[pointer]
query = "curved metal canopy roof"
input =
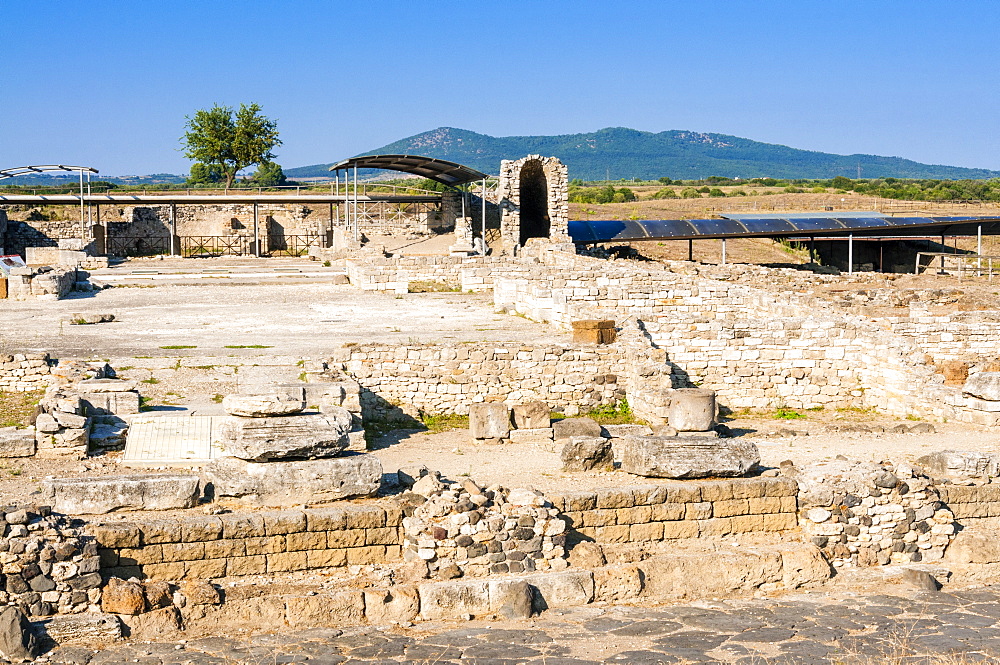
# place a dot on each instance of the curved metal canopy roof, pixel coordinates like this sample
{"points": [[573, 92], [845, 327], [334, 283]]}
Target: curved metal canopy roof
{"points": [[868, 224], [44, 168], [438, 170]]}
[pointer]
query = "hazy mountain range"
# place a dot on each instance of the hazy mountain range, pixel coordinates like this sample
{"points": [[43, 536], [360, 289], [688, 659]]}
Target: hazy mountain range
{"points": [[619, 152]]}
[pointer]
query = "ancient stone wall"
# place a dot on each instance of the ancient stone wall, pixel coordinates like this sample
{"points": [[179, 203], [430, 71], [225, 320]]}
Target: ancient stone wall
{"points": [[447, 379], [208, 547], [673, 510], [25, 372], [37, 231], [951, 337]]}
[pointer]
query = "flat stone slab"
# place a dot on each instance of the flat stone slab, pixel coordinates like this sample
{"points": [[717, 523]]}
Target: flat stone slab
{"points": [[260, 406], [961, 463], [483, 596], [687, 457], [302, 436], [294, 482], [171, 441], [17, 442], [104, 494]]}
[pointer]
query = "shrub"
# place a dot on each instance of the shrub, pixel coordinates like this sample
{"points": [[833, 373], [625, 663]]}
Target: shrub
{"points": [[690, 193]]}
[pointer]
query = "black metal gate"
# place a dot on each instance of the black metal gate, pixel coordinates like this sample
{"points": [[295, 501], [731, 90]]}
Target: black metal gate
{"points": [[290, 245]]}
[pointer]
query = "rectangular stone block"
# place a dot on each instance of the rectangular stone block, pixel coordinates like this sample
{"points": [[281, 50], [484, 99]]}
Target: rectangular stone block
{"points": [[246, 565], [242, 525], [220, 549], [731, 507], [615, 497], [365, 517], [383, 536], [393, 553], [720, 490], [765, 504], [612, 534], [265, 545], [677, 530], [326, 558], [345, 538], [109, 558], [600, 517], [789, 504], [445, 600], [140, 555], [309, 540], [747, 523], [366, 555], [634, 515], [116, 535], [779, 522], [668, 512], [572, 520], [326, 519], [283, 562], [683, 492], [201, 529], [717, 526], [206, 569], [643, 532], [182, 551], [164, 571], [282, 522], [160, 531], [579, 501], [698, 511]]}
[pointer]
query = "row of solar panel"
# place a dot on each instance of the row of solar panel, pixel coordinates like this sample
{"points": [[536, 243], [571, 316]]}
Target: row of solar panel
{"points": [[610, 230]]}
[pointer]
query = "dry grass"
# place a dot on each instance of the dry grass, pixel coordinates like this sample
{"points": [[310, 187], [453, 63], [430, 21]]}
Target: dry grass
{"points": [[17, 409]]}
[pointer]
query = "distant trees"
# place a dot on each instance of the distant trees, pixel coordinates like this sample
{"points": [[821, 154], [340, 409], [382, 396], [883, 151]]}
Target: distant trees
{"points": [[607, 194], [269, 174], [204, 174], [229, 140]]}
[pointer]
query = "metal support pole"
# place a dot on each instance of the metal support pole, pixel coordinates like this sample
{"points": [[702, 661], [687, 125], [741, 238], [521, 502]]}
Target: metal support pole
{"points": [[812, 249], [943, 247], [357, 225], [83, 227], [484, 218], [979, 250], [723, 251], [90, 218], [173, 229], [256, 234], [690, 250], [850, 254]]}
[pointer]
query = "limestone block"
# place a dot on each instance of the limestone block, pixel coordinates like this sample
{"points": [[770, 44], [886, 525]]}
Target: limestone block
{"points": [[86, 628], [672, 457], [261, 406], [974, 547], [567, 427], [539, 435], [489, 420], [46, 424], [17, 442], [295, 482], [802, 565], [103, 494], [621, 431], [984, 385], [692, 410], [123, 597], [585, 453], [533, 415], [396, 604], [675, 575], [961, 463], [286, 437], [593, 331]]}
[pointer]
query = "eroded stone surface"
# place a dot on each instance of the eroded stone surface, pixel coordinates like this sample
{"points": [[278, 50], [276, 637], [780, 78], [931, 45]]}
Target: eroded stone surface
{"points": [[674, 457], [308, 436], [96, 496]]}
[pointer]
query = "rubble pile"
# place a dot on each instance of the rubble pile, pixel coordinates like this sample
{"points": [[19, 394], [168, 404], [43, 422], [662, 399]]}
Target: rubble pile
{"points": [[463, 529]]}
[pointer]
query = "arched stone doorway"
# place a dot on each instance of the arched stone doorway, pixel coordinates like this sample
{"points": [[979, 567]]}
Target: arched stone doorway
{"points": [[533, 192]]}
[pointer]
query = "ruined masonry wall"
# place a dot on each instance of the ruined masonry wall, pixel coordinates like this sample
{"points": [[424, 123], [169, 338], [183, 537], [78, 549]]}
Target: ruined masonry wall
{"points": [[447, 379], [951, 337], [25, 372], [208, 547], [675, 510]]}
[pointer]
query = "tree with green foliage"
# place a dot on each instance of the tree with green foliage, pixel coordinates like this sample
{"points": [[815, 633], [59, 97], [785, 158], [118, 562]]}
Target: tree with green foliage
{"points": [[204, 174], [269, 174], [232, 140], [690, 193], [665, 181]]}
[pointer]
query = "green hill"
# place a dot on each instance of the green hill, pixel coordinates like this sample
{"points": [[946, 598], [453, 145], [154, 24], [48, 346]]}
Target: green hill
{"points": [[618, 152]]}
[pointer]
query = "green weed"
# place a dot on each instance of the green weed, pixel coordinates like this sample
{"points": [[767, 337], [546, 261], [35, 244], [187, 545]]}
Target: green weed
{"points": [[785, 413], [179, 346], [443, 422], [247, 346]]}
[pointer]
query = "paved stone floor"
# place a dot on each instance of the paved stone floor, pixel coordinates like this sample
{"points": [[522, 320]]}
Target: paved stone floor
{"points": [[922, 627]]}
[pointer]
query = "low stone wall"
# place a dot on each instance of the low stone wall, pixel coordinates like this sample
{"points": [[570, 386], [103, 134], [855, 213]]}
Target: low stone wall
{"points": [[972, 504], [674, 510], [953, 337], [208, 547], [473, 273], [447, 379], [25, 372]]}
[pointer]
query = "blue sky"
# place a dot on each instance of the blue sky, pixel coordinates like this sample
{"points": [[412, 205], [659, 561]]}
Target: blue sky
{"points": [[108, 84]]}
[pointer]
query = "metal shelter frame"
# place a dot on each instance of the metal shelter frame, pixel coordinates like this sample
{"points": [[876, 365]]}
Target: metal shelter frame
{"points": [[450, 174], [52, 168]]}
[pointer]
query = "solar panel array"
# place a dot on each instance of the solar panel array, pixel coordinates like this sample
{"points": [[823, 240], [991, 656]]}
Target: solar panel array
{"points": [[781, 226]]}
